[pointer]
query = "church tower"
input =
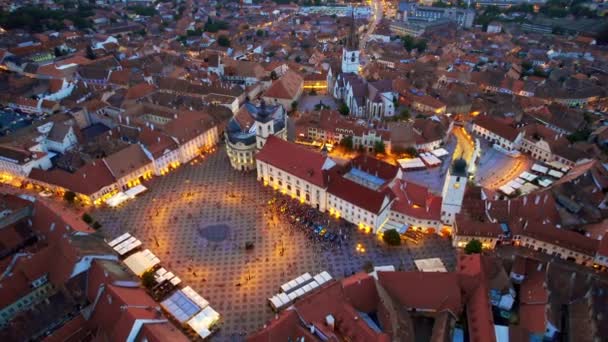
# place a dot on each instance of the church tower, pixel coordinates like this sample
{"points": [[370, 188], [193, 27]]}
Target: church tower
{"points": [[453, 191], [350, 51]]}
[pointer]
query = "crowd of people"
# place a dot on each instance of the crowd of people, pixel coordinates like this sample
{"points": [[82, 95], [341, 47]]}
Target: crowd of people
{"points": [[320, 228]]}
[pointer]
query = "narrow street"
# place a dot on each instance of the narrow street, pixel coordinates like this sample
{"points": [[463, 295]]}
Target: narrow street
{"points": [[377, 8]]}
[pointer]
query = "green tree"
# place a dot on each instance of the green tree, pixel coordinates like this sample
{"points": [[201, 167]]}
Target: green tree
{"points": [[90, 53], [87, 218], [294, 106], [343, 109], [223, 41], [298, 59], [405, 114], [69, 196], [379, 146], [259, 33], [347, 143], [473, 247], [147, 279], [391, 237], [273, 75]]}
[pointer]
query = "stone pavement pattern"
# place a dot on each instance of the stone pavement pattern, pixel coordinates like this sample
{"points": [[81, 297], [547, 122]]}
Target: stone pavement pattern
{"points": [[237, 282]]}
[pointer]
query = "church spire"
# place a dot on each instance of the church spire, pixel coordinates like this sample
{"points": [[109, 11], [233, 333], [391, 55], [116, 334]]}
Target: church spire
{"points": [[351, 41]]}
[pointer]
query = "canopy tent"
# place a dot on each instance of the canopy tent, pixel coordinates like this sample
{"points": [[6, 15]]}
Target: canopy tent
{"points": [[203, 321], [127, 245], [507, 190], [180, 306], [430, 265], [528, 188], [555, 174], [415, 163], [136, 190], [119, 239], [140, 262], [430, 160], [194, 296], [117, 199], [540, 169], [515, 185], [440, 152], [544, 182], [528, 176]]}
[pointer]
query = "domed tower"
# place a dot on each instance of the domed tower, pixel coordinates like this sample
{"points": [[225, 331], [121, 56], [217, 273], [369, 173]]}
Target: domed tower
{"points": [[453, 191], [350, 51]]}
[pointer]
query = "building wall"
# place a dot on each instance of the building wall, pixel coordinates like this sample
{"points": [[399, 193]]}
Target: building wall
{"points": [[487, 242], [241, 156], [31, 299], [190, 149], [304, 191], [552, 249], [412, 221]]}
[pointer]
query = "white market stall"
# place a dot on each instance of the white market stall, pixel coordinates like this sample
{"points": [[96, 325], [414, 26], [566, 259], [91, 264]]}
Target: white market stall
{"points": [[140, 262], [430, 265], [204, 321], [440, 152], [411, 164]]}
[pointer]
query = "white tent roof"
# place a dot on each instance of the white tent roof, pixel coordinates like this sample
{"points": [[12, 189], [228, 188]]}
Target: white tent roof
{"points": [[430, 265], [180, 306], [195, 297], [528, 176], [539, 168], [440, 152], [414, 163], [136, 190], [202, 322], [545, 182], [430, 159], [119, 239], [506, 189], [140, 262], [117, 199], [556, 174]]}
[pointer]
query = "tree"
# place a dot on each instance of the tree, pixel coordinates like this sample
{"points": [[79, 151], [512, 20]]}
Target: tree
{"points": [[69, 196], [405, 114], [298, 59], [87, 218], [391, 237], [147, 279], [343, 109], [273, 75], [90, 52], [259, 33], [379, 146], [347, 143], [294, 106], [58, 52], [473, 247], [223, 41], [602, 35], [368, 267]]}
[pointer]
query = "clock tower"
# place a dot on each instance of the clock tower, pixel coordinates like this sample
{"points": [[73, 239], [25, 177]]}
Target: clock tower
{"points": [[350, 51]]}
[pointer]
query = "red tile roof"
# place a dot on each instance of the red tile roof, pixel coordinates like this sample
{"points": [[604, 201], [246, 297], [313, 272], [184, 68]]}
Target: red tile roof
{"points": [[287, 87], [435, 291], [415, 200], [294, 159], [357, 194], [498, 127], [87, 180]]}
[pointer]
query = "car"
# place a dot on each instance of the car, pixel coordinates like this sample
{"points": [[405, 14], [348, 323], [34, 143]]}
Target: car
{"points": [[323, 232]]}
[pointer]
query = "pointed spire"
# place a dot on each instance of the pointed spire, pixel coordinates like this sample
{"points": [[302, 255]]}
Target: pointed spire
{"points": [[351, 41]]}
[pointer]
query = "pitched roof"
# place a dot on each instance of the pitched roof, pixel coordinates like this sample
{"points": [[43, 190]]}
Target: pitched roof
{"points": [[435, 291], [297, 160], [87, 180], [127, 160], [287, 87]]}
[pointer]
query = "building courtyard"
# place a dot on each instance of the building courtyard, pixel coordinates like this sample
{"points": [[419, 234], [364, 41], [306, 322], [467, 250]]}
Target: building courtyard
{"points": [[199, 219]]}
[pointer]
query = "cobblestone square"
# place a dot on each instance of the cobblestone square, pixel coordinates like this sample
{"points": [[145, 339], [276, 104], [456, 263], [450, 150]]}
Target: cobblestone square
{"points": [[198, 219]]}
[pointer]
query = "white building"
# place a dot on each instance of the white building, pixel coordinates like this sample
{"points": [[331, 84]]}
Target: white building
{"points": [[453, 191], [247, 132]]}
